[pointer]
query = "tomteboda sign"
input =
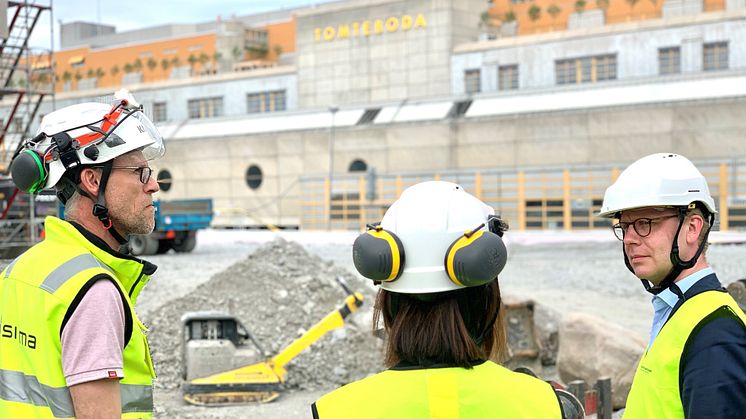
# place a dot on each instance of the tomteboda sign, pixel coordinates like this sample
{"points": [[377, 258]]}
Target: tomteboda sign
{"points": [[370, 27]]}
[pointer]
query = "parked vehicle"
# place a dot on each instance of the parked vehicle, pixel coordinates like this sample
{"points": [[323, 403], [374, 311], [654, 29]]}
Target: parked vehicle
{"points": [[176, 225]]}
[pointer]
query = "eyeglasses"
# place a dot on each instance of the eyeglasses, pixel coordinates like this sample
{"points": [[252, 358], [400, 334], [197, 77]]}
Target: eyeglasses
{"points": [[144, 171], [642, 226]]}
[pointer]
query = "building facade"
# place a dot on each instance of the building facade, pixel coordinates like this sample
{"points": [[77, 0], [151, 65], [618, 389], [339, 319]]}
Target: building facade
{"points": [[374, 95]]}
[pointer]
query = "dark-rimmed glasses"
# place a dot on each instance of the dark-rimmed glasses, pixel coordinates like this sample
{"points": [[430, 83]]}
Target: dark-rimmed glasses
{"points": [[143, 171], [642, 226]]}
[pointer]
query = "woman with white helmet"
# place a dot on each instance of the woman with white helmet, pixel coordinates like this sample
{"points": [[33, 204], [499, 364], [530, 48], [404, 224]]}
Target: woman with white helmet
{"points": [[436, 256], [695, 363], [80, 350]]}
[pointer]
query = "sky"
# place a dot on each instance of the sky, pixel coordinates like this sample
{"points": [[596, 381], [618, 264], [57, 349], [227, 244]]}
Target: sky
{"points": [[136, 14]]}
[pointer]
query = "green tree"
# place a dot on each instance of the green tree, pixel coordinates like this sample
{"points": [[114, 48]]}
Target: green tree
{"points": [[114, 70], [485, 20], [632, 4], [165, 64], [67, 76], [203, 59], [509, 16], [100, 73], [580, 6], [128, 68], [152, 64], [137, 65], [175, 62], [91, 73], [534, 13], [237, 53], [277, 49], [78, 76], [554, 10], [192, 61], [602, 4]]}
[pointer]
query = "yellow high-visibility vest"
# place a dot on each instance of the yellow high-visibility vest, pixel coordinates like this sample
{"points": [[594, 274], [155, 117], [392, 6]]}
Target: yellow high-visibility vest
{"points": [[485, 391], [655, 388], [36, 292]]}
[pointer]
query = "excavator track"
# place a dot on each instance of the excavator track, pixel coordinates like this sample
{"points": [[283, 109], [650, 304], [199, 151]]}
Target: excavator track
{"points": [[230, 399]]}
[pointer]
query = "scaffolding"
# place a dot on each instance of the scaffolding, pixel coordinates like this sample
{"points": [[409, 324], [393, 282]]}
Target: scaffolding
{"points": [[27, 78]]}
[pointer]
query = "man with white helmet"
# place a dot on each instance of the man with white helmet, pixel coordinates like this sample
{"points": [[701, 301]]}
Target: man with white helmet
{"points": [[436, 256], [72, 345], [695, 363]]}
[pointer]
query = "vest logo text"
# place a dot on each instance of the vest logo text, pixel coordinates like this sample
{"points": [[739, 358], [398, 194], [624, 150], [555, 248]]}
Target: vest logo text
{"points": [[12, 332]]}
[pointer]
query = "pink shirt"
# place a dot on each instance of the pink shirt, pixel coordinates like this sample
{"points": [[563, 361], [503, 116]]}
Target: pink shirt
{"points": [[93, 338]]}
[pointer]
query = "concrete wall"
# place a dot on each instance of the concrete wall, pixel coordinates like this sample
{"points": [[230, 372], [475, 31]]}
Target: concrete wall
{"points": [[347, 52], [216, 167]]}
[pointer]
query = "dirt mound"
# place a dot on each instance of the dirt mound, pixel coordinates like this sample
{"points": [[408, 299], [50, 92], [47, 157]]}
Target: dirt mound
{"points": [[277, 292]]}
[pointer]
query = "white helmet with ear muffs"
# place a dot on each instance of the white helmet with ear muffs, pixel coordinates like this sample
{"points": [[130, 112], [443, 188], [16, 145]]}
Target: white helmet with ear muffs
{"points": [[83, 135], [434, 238]]}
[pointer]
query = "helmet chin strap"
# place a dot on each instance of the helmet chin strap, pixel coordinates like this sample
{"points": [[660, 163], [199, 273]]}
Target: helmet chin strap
{"points": [[678, 264], [99, 208]]}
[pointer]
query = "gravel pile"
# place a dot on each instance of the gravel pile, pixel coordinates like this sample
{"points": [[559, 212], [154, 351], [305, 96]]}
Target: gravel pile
{"points": [[277, 292]]}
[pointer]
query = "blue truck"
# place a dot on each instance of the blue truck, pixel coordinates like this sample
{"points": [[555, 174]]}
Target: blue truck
{"points": [[176, 225]]}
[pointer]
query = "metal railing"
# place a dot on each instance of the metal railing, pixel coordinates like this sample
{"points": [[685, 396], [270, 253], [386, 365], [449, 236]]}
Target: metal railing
{"points": [[529, 199]]}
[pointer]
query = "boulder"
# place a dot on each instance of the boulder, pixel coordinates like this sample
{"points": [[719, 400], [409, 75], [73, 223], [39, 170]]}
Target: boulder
{"points": [[737, 290], [592, 348]]}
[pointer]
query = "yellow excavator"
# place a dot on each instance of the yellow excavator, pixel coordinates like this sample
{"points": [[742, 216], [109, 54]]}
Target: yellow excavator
{"points": [[213, 341]]}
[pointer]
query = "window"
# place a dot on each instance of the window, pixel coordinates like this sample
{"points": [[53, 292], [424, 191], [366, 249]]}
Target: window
{"points": [[159, 112], [507, 77], [358, 165], [254, 176], [266, 102], [472, 82], [715, 56], [585, 69], [459, 109], [368, 116], [669, 60], [205, 107], [164, 180], [196, 47]]}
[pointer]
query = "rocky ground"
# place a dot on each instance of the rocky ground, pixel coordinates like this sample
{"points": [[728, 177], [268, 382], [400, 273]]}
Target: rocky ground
{"points": [[280, 288]]}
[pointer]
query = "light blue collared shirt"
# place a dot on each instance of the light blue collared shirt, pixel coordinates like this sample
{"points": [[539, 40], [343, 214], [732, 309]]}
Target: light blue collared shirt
{"points": [[664, 302]]}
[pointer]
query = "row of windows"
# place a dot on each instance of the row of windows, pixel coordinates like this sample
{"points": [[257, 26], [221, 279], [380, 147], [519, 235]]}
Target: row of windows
{"points": [[211, 107], [714, 57], [601, 67]]}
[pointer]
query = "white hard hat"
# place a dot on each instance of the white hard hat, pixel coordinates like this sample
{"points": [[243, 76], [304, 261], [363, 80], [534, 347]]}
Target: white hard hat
{"points": [[657, 180], [427, 219], [102, 133]]}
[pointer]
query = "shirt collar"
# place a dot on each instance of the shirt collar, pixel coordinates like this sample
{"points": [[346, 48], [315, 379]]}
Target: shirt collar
{"points": [[670, 298]]}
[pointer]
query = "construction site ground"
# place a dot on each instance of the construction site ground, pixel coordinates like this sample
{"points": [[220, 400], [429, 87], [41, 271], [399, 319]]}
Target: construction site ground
{"points": [[278, 284]]}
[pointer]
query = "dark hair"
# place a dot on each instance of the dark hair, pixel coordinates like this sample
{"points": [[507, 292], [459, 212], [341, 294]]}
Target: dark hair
{"points": [[458, 328]]}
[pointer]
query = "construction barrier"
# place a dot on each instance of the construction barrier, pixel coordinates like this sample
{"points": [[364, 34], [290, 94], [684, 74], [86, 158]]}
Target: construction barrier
{"points": [[529, 199]]}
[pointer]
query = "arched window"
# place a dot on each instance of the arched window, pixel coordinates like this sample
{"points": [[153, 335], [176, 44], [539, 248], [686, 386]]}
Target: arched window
{"points": [[254, 176], [358, 165]]}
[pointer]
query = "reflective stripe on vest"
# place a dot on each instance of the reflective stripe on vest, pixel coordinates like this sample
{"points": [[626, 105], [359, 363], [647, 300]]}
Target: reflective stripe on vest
{"points": [[485, 391], [69, 269], [655, 389], [9, 269], [18, 387]]}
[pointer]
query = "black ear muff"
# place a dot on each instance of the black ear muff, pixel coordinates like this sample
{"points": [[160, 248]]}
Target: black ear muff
{"points": [[475, 258], [28, 171], [378, 254]]}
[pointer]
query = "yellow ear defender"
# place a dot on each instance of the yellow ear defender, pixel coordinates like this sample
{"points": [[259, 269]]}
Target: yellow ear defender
{"points": [[475, 258], [378, 254]]}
